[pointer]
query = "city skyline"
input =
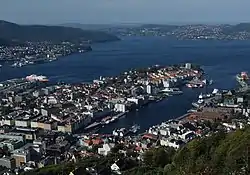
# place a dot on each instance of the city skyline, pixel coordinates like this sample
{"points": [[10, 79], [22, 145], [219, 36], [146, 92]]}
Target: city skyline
{"points": [[129, 11]]}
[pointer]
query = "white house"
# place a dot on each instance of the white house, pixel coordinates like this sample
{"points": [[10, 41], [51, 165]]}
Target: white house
{"points": [[171, 143], [120, 107]]}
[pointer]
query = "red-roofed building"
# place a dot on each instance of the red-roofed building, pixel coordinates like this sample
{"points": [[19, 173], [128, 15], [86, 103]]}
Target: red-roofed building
{"points": [[150, 136], [97, 141], [138, 148]]}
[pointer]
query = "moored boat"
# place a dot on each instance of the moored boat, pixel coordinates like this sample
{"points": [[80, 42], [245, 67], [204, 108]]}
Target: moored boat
{"points": [[172, 91], [134, 129]]}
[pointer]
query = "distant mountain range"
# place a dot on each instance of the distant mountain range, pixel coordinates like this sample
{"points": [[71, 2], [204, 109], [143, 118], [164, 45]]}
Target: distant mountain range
{"points": [[14, 32]]}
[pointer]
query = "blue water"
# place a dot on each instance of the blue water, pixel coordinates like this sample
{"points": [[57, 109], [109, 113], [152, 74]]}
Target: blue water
{"points": [[222, 60]]}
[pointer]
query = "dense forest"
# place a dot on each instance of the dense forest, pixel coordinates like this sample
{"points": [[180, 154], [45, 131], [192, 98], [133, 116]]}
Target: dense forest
{"points": [[222, 153]]}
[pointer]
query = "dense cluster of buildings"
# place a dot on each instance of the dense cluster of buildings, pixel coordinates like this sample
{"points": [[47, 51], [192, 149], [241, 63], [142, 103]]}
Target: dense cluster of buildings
{"points": [[38, 52], [185, 32], [38, 121], [219, 111]]}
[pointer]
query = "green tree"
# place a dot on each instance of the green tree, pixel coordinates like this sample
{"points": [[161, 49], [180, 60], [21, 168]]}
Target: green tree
{"points": [[168, 169]]}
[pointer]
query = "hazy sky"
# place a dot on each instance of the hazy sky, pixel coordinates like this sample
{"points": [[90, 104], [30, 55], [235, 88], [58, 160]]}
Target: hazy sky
{"points": [[124, 11]]}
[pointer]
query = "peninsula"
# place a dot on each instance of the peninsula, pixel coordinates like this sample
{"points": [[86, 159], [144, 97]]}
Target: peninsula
{"points": [[186, 32], [39, 124], [31, 44]]}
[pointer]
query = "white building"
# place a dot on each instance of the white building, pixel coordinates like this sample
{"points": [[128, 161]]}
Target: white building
{"points": [[106, 148], [188, 65], [149, 89], [120, 107], [170, 143], [115, 168], [22, 123], [187, 135], [52, 100], [134, 100]]}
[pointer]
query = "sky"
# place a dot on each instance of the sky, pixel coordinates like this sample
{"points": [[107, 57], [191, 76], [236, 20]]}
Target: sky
{"points": [[124, 11]]}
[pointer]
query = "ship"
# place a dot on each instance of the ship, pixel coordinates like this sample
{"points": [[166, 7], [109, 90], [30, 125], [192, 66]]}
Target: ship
{"points": [[93, 125], [243, 79], [192, 110], [198, 103], [17, 64], [121, 132], [134, 129], [172, 91], [39, 78], [207, 82]]}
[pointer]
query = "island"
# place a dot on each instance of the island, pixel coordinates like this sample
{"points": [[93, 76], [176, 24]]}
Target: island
{"points": [[30, 44]]}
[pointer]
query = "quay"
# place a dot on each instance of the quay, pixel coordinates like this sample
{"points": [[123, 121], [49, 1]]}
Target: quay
{"points": [[182, 117]]}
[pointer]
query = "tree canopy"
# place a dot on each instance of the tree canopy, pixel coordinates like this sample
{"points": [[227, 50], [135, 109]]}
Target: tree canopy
{"points": [[221, 153]]}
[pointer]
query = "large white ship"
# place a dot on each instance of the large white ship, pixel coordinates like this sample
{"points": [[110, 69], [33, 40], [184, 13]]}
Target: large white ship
{"points": [[34, 77]]}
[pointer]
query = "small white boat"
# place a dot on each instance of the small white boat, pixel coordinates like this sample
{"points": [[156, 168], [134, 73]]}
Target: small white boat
{"points": [[211, 82], [192, 110], [135, 128], [172, 91], [196, 105]]}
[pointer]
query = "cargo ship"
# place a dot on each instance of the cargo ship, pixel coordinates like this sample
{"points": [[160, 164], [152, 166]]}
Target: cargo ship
{"points": [[243, 79]]}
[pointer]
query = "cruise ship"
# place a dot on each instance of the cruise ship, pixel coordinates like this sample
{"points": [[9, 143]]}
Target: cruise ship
{"points": [[34, 77]]}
